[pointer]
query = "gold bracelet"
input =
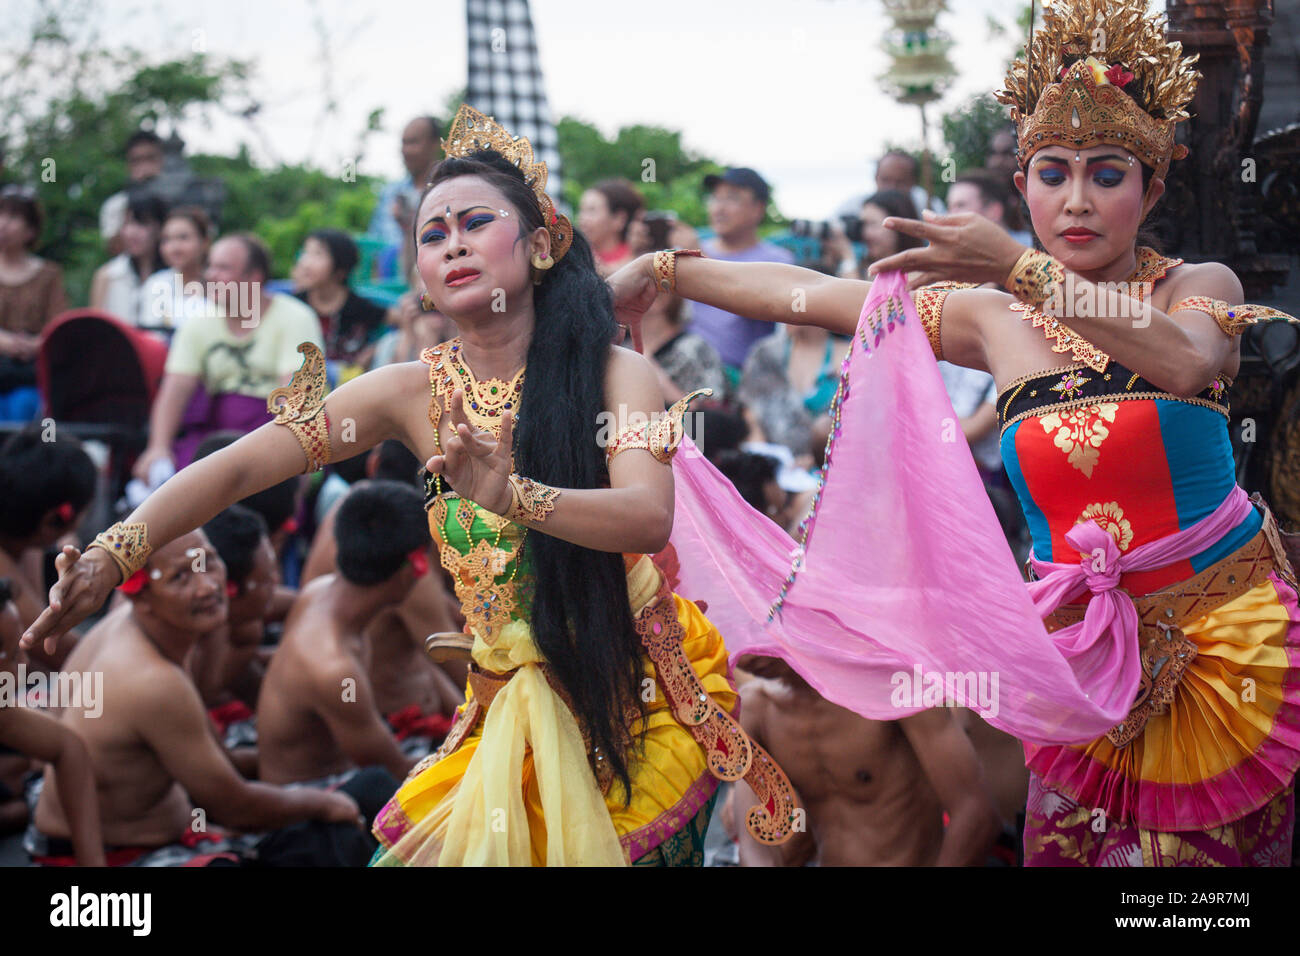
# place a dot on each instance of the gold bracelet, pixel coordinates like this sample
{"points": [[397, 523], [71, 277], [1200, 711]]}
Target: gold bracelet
{"points": [[1035, 277], [530, 500], [665, 266], [126, 544]]}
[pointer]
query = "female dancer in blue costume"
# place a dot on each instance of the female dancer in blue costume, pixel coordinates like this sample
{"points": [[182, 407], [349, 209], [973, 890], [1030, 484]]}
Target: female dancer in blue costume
{"points": [[1112, 363]]}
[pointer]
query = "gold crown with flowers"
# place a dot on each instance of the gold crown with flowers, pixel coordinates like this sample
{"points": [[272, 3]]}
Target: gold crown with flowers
{"points": [[1084, 67], [472, 131]]}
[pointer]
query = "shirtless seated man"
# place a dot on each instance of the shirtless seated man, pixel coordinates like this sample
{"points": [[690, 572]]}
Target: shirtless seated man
{"points": [[47, 487], [412, 692], [161, 773], [317, 716], [39, 736], [228, 662], [875, 791]]}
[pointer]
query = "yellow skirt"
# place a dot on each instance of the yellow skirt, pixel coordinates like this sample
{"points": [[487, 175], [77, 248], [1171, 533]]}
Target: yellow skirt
{"points": [[670, 781]]}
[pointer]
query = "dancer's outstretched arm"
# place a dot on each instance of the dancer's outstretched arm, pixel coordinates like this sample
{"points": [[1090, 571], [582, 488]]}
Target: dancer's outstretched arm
{"points": [[367, 407], [771, 291]]}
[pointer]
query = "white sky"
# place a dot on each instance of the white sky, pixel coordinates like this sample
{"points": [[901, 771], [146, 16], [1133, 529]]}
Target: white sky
{"points": [[786, 86]]}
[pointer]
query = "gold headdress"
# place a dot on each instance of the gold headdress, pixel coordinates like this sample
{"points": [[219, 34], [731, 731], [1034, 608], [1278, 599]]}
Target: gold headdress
{"points": [[471, 131], [1085, 65]]}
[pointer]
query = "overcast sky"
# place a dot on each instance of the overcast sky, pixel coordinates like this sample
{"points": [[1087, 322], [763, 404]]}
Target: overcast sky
{"points": [[787, 86]]}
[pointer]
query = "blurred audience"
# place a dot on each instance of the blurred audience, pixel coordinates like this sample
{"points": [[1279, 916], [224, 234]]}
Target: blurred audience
{"points": [[174, 294], [788, 384], [144, 162], [983, 192], [31, 294], [350, 323], [605, 216], [737, 203], [220, 369], [394, 216], [118, 285]]}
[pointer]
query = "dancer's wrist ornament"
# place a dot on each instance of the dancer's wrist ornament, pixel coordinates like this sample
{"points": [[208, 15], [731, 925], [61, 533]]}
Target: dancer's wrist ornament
{"points": [[126, 544], [665, 267], [1035, 277], [530, 501]]}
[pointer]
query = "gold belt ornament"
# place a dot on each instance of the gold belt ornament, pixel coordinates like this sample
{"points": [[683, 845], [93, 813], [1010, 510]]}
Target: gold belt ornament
{"points": [[1165, 651]]}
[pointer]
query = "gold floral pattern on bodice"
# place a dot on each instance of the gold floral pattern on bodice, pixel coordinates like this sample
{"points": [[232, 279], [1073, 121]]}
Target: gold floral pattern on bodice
{"points": [[1110, 518], [1079, 432]]}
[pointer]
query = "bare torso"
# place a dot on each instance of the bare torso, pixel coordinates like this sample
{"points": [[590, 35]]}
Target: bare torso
{"points": [[868, 800], [293, 741], [140, 803], [401, 673]]}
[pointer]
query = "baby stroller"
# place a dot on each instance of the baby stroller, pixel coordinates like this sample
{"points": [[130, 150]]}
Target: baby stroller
{"points": [[98, 377]]}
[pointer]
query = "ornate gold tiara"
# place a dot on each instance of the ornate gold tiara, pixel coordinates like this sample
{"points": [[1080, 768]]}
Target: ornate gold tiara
{"points": [[1085, 65], [471, 131]]}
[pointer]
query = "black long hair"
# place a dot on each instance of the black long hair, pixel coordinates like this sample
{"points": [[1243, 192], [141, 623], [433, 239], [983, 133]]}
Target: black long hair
{"points": [[581, 618]]}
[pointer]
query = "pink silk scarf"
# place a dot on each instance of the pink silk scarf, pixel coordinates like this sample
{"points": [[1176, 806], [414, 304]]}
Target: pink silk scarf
{"points": [[903, 594]]}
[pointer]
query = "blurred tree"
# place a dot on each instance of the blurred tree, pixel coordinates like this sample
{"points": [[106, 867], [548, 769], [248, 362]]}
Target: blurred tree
{"points": [[67, 107]]}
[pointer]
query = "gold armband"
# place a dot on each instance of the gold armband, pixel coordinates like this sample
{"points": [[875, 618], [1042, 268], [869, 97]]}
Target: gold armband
{"points": [[929, 308], [1233, 319], [660, 436], [665, 266], [1035, 277], [303, 407], [530, 500], [126, 544]]}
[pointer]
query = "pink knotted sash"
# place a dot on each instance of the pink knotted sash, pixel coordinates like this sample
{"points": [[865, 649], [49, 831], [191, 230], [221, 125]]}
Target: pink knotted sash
{"points": [[1103, 647]]}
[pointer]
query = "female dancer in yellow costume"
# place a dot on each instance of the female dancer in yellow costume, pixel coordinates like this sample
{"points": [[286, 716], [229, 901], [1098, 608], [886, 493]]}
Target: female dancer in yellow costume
{"points": [[600, 712]]}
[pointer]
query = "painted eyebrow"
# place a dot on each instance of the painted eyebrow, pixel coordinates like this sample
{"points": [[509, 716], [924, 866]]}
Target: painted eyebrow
{"points": [[1096, 159], [458, 215]]}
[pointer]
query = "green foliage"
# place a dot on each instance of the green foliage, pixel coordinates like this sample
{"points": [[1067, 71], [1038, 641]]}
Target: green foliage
{"points": [[968, 130], [650, 157], [284, 204]]}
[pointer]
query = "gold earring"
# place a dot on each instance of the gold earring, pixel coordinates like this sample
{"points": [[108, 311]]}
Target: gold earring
{"points": [[426, 303], [541, 264]]}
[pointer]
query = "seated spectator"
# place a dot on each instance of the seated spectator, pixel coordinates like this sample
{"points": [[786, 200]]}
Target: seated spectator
{"points": [[173, 295], [163, 778], [394, 217], [37, 735], [220, 371], [737, 204], [755, 477], [118, 285], [789, 384], [412, 329], [415, 695], [317, 715], [349, 322], [1002, 160], [226, 663], [48, 485], [660, 229], [882, 242], [144, 162], [983, 192], [605, 214], [683, 359], [279, 507], [31, 294]]}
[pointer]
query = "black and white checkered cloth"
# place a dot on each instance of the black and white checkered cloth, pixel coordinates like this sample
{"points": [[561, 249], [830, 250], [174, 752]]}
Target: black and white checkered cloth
{"points": [[505, 77]]}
